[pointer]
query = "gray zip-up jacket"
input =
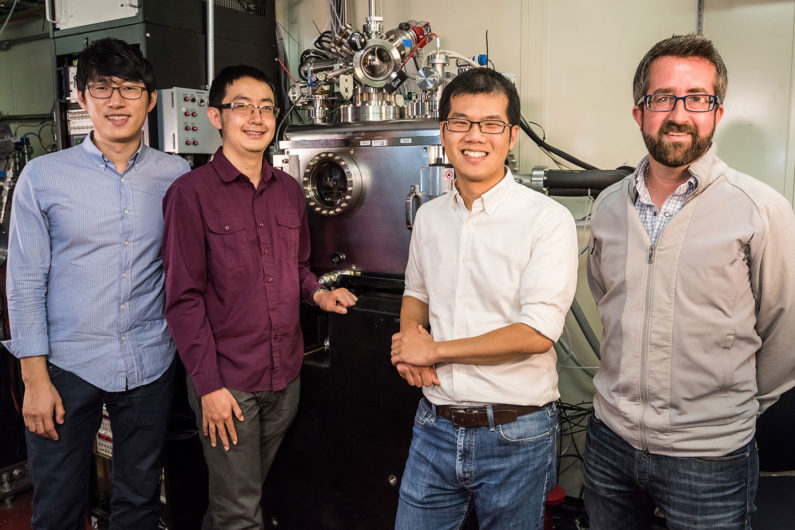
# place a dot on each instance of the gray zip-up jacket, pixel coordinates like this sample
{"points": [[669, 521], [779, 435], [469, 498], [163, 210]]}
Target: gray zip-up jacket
{"points": [[699, 330]]}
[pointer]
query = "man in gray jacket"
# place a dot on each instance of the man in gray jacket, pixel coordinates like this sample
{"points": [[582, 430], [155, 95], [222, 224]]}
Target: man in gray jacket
{"points": [[692, 265]]}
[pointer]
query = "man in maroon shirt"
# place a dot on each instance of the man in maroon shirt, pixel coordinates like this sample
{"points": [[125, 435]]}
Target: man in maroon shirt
{"points": [[235, 254]]}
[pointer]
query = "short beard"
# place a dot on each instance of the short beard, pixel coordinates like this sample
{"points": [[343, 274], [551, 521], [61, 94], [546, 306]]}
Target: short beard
{"points": [[672, 154]]}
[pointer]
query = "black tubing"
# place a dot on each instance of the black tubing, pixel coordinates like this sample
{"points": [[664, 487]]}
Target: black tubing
{"points": [[595, 179], [541, 143]]}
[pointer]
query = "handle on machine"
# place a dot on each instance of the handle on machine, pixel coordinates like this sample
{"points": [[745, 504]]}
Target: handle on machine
{"points": [[52, 20], [414, 197]]}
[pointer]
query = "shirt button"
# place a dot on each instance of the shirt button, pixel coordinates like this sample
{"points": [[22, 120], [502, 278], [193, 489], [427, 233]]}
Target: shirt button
{"points": [[267, 251], [126, 212], [126, 243], [667, 214], [270, 279], [123, 337], [122, 179], [123, 274], [262, 224], [226, 227], [122, 306]]}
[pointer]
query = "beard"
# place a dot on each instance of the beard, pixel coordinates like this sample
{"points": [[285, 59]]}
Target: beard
{"points": [[677, 154]]}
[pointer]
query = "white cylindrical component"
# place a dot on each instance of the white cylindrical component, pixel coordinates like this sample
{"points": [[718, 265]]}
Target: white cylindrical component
{"points": [[210, 42]]}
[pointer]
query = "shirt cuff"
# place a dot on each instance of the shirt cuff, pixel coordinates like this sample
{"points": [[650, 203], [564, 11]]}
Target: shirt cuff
{"points": [[30, 346], [206, 383], [422, 297], [321, 288]]}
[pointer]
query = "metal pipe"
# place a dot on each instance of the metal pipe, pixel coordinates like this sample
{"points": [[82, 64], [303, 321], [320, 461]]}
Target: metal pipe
{"points": [[210, 42], [585, 326], [6, 44], [24, 117], [595, 179], [372, 8]]}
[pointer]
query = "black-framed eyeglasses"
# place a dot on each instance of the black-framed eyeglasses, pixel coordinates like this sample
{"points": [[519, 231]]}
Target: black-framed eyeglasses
{"points": [[486, 126], [247, 109], [106, 91], [667, 102]]}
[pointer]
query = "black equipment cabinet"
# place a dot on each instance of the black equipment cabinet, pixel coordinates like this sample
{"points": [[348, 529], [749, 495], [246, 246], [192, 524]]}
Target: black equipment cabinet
{"points": [[341, 461]]}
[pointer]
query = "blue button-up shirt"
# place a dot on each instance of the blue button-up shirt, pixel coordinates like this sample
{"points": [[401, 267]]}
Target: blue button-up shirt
{"points": [[85, 277]]}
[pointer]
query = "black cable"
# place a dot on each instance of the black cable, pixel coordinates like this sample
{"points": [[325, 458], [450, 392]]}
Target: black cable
{"points": [[284, 120], [487, 48], [552, 149]]}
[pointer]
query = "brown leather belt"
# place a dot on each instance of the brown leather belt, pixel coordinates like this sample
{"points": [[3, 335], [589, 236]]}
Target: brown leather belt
{"points": [[478, 417]]}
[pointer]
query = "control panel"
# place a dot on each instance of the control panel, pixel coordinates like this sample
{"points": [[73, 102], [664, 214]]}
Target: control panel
{"points": [[183, 125]]}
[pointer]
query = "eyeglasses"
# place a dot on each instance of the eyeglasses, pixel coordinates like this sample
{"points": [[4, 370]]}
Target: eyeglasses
{"points": [[486, 126], [247, 109], [667, 102], [126, 91]]}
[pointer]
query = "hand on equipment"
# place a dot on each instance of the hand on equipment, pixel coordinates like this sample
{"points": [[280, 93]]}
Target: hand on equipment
{"points": [[336, 301]]}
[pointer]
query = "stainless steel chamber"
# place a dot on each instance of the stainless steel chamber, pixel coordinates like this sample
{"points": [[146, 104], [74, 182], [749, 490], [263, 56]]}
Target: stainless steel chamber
{"points": [[363, 183]]}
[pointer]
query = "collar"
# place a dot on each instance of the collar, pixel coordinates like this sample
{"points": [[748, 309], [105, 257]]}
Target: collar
{"points": [[705, 170], [227, 172], [642, 190], [492, 198], [90, 148]]}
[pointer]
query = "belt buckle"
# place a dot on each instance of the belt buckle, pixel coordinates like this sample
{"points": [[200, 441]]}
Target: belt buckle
{"points": [[462, 417]]}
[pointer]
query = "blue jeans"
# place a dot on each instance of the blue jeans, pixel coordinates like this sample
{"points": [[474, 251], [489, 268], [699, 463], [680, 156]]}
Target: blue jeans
{"points": [[504, 471], [60, 469], [623, 485]]}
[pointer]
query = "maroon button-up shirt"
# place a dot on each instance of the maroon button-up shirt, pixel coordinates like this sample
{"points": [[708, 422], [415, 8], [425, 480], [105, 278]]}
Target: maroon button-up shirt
{"points": [[236, 264]]}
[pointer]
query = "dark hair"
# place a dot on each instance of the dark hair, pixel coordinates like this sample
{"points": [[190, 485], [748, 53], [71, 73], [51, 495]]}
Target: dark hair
{"points": [[109, 57], [481, 81], [681, 46], [229, 75]]}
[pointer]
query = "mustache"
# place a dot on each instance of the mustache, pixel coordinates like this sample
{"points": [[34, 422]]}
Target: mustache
{"points": [[671, 127]]}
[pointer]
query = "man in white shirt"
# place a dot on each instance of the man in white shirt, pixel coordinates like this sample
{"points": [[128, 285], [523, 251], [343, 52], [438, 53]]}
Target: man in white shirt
{"points": [[492, 269]]}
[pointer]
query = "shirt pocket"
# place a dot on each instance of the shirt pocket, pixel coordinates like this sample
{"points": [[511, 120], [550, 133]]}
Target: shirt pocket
{"points": [[289, 230], [227, 244]]}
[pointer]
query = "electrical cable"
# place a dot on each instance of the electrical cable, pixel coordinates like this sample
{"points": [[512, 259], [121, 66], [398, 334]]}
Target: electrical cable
{"points": [[284, 120], [487, 49], [540, 142], [422, 42], [9, 16]]}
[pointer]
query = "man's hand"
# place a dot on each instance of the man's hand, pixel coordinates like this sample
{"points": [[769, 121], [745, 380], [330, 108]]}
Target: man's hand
{"points": [[217, 410], [335, 301], [41, 400], [413, 347], [418, 376]]}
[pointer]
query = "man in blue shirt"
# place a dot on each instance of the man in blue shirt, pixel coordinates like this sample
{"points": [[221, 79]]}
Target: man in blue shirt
{"points": [[86, 299]]}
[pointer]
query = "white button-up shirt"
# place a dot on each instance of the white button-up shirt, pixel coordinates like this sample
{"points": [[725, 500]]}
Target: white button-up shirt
{"points": [[512, 258]]}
